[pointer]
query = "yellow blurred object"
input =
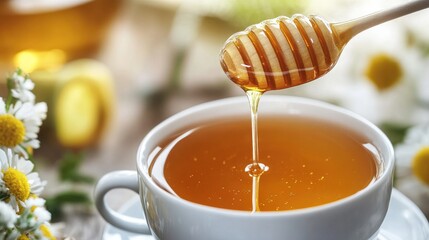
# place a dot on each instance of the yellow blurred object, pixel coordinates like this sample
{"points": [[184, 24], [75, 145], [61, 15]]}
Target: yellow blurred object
{"points": [[45, 33], [29, 60], [420, 165], [79, 113], [83, 103], [384, 71]]}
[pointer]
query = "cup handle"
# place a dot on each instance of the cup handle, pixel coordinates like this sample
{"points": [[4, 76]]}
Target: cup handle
{"points": [[119, 179]]}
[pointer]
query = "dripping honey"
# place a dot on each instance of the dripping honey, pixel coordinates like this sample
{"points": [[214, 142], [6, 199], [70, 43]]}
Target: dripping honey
{"points": [[311, 162]]}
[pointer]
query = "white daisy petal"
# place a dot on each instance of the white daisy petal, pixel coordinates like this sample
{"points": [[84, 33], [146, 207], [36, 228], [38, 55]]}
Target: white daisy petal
{"points": [[42, 214], [13, 203], [418, 134], [15, 107], [24, 111], [38, 189], [3, 159], [21, 150], [15, 93], [32, 124], [12, 158], [35, 202], [31, 135], [25, 166], [23, 87], [2, 106], [8, 216], [41, 109], [29, 85], [33, 143], [36, 185]]}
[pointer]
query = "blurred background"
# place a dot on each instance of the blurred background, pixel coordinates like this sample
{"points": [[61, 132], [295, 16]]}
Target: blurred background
{"points": [[110, 70]]}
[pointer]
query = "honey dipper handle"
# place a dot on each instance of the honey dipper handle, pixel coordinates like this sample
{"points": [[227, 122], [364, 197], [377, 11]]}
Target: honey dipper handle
{"points": [[346, 30]]}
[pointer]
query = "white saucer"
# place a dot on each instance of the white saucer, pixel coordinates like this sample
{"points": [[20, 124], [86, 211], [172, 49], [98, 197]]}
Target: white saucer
{"points": [[404, 221]]}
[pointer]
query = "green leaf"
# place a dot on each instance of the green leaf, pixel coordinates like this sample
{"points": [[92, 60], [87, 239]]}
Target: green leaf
{"points": [[4, 196], [415, 41], [10, 84], [395, 132], [69, 169], [55, 204]]}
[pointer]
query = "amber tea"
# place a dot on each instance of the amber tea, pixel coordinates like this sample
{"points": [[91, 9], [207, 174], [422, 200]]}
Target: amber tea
{"points": [[311, 162]]}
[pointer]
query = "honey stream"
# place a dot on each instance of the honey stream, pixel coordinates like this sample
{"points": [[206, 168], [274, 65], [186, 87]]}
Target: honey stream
{"points": [[256, 168]]}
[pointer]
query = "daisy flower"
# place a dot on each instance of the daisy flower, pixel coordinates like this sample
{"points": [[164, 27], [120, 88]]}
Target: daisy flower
{"points": [[376, 72], [17, 179], [380, 77], [412, 164], [45, 232], [22, 87], [20, 124], [37, 207], [33, 223], [42, 232], [30, 229]]}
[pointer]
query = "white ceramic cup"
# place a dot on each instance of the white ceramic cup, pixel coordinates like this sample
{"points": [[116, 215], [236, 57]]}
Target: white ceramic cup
{"points": [[357, 217]]}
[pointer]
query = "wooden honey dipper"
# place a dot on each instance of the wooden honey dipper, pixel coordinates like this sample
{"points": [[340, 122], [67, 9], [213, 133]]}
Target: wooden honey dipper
{"points": [[285, 52]]}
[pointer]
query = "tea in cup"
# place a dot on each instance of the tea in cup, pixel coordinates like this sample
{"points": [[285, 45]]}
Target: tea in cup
{"points": [[328, 176]]}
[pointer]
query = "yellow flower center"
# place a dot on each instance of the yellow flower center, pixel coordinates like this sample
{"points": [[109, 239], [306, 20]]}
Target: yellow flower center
{"points": [[384, 71], [23, 237], [421, 165], [17, 183], [12, 131], [46, 232]]}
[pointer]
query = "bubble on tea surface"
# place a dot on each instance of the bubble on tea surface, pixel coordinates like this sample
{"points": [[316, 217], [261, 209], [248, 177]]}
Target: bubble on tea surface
{"points": [[256, 169]]}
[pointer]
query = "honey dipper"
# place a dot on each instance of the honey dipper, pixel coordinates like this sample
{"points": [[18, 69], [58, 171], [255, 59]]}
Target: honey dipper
{"points": [[285, 52]]}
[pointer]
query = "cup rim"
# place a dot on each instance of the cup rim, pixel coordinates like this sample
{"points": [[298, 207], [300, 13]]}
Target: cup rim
{"points": [[386, 172]]}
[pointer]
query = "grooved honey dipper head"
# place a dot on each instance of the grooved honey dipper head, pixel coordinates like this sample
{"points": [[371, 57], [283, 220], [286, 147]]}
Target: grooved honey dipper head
{"points": [[280, 53]]}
